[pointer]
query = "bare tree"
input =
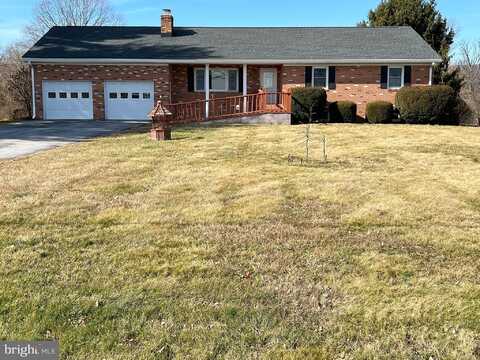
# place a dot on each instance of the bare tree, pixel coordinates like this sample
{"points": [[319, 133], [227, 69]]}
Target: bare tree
{"points": [[51, 13], [470, 67], [15, 84]]}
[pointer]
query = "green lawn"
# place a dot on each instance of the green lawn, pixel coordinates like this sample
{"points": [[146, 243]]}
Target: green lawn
{"points": [[214, 246]]}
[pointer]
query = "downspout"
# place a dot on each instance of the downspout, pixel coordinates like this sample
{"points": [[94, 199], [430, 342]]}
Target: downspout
{"points": [[430, 79], [34, 112]]}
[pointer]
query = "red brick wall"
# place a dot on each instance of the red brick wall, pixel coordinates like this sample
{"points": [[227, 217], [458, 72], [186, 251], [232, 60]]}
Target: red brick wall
{"points": [[420, 75], [360, 84], [98, 74], [356, 83], [293, 76]]}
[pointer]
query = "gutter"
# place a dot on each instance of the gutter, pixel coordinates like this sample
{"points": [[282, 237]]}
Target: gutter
{"points": [[94, 61], [34, 110]]}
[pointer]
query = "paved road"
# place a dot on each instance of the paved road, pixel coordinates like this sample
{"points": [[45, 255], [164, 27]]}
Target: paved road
{"points": [[27, 137]]}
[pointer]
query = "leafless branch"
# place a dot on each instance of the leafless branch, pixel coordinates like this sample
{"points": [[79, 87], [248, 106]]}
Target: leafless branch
{"points": [[15, 85], [51, 13], [470, 67]]}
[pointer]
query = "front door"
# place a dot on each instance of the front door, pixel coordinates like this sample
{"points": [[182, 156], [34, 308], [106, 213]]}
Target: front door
{"points": [[268, 82]]}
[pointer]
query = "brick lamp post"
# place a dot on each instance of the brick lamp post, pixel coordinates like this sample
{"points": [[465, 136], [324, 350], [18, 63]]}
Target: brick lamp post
{"points": [[161, 120]]}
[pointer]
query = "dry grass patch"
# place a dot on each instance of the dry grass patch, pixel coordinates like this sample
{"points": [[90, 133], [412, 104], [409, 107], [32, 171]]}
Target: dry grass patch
{"points": [[213, 246]]}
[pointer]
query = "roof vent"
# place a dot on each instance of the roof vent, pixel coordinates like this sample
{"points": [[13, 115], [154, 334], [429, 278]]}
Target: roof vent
{"points": [[167, 22]]}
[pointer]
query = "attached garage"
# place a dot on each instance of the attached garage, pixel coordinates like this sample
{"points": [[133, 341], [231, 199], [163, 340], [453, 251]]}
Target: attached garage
{"points": [[70, 100], [128, 100]]}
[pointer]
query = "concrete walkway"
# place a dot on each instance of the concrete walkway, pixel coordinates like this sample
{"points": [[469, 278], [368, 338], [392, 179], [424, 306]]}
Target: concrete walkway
{"points": [[27, 137]]}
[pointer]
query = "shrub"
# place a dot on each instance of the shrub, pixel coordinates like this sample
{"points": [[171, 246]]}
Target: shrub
{"points": [[342, 111], [427, 105], [380, 112], [306, 98]]}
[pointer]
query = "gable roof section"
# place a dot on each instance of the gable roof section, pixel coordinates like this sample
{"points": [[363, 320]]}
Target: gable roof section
{"points": [[301, 44]]}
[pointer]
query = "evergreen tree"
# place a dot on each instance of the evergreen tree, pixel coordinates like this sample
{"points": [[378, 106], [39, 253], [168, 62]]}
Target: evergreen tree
{"points": [[424, 17]]}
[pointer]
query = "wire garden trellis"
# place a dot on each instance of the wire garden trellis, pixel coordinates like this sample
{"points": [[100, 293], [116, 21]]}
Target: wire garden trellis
{"points": [[306, 144]]}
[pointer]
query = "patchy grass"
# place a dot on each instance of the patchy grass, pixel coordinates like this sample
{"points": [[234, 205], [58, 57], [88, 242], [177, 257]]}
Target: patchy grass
{"points": [[213, 246]]}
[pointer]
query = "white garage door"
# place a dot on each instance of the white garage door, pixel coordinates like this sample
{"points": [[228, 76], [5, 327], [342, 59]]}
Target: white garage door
{"points": [[128, 100], [67, 100]]}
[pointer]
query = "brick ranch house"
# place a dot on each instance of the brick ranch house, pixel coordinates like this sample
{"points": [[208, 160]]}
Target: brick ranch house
{"points": [[119, 72]]}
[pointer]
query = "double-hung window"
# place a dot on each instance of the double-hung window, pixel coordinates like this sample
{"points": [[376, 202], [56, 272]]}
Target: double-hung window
{"points": [[395, 77], [320, 77], [220, 79]]}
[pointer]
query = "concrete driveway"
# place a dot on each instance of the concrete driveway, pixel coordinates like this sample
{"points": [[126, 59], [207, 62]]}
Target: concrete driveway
{"points": [[27, 137]]}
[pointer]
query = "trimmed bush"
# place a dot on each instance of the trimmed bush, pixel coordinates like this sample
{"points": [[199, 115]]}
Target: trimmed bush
{"points": [[342, 111], [380, 112], [427, 105], [303, 99]]}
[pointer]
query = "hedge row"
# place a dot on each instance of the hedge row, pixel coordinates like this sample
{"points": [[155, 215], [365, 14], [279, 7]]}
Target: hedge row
{"points": [[414, 105]]}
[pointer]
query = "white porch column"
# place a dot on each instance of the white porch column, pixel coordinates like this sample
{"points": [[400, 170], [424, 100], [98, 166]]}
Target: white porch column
{"points": [[207, 89], [245, 85], [430, 76]]}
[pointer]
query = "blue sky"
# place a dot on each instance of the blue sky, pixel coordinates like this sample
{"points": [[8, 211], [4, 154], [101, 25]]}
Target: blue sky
{"points": [[464, 15]]}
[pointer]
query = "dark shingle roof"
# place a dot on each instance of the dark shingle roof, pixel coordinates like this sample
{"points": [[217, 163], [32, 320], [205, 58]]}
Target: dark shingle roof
{"points": [[146, 43]]}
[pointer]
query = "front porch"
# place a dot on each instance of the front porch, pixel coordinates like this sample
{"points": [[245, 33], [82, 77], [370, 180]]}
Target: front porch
{"points": [[262, 107], [191, 82], [211, 92]]}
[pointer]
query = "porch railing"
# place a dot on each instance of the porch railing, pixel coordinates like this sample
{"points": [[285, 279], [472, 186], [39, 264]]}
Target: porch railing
{"points": [[221, 108]]}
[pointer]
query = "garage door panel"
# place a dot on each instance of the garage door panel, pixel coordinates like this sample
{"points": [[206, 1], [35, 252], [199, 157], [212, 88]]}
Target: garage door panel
{"points": [[128, 100], [68, 100]]}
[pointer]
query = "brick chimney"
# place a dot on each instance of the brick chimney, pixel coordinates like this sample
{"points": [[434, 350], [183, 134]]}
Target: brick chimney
{"points": [[167, 22]]}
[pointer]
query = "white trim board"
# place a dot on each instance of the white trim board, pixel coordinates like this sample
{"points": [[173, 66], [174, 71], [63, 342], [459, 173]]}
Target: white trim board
{"points": [[232, 61]]}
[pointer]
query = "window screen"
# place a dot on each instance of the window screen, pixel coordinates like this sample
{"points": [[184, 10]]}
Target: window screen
{"points": [[232, 80], [199, 79], [219, 80], [395, 77], [320, 77]]}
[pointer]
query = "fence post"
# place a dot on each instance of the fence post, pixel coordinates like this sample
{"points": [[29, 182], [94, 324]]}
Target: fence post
{"points": [[261, 100], [288, 100]]}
